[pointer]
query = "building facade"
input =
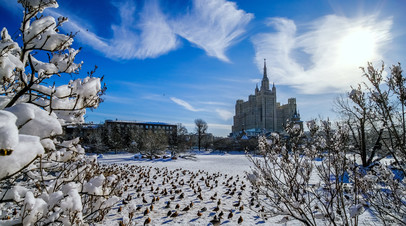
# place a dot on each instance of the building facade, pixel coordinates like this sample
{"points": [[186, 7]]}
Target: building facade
{"points": [[118, 134], [262, 113], [168, 129]]}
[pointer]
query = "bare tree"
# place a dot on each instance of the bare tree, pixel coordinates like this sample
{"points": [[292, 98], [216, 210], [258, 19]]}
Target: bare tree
{"points": [[283, 182], [386, 98], [153, 143], [181, 140], [357, 115], [207, 141], [374, 127], [201, 128], [115, 138]]}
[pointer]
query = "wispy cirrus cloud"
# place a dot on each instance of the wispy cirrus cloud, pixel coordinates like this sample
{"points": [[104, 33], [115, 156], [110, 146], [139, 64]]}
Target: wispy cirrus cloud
{"points": [[184, 104], [224, 114], [149, 37], [215, 103], [213, 25], [326, 58]]}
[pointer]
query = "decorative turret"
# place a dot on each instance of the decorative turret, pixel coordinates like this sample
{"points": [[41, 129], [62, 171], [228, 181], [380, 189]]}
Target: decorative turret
{"points": [[256, 89], [296, 115], [265, 80], [295, 119]]}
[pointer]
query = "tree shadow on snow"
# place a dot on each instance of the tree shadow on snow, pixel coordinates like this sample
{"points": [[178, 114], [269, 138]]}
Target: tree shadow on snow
{"points": [[193, 220], [149, 160], [168, 221], [259, 218]]}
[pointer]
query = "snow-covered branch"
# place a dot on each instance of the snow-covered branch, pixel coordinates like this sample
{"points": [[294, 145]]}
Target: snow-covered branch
{"points": [[44, 179]]}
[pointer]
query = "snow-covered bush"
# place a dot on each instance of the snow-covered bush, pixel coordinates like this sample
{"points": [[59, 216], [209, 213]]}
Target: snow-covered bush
{"points": [[43, 179], [285, 178], [23, 77], [19, 150], [349, 175], [375, 115]]}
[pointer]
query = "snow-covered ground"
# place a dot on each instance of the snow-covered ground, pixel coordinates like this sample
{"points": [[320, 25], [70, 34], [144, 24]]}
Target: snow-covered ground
{"points": [[185, 176], [212, 163]]}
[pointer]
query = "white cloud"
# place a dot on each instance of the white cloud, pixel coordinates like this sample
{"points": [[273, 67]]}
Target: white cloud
{"points": [[215, 103], [327, 57], [224, 114], [157, 37], [213, 25], [257, 80], [218, 126], [83, 35], [149, 37], [184, 104]]}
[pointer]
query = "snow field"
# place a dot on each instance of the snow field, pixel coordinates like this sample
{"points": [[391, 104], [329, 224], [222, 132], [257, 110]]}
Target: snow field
{"points": [[208, 182]]}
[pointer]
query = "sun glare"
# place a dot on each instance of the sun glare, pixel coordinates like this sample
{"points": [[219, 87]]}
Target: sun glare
{"points": [[357, 47]]}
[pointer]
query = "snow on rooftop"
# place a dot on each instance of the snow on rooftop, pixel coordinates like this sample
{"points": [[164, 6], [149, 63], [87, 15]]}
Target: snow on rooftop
{"points": [[139, 122]]}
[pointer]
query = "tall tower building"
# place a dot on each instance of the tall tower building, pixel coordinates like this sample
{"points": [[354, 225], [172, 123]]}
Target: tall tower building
{"points": [[265, 80], [262, 113]]}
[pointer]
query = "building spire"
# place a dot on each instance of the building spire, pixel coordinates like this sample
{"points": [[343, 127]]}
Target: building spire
{"points": [[265, 80]]}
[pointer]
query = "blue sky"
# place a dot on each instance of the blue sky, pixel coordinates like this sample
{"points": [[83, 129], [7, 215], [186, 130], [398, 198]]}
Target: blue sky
{"points": [[178, 60]]}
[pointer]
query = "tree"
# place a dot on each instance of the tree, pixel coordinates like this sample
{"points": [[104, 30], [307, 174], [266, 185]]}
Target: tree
{"points": [[374, 111], [134, 139], [60, 183], [153, 143], [201, 128], [115, 137], [223, 143], [357, 116], [374, 127], [96, 138], [250, 144], [181, 140], [385, 98], [283, 178], [207, 141], [44, 54]]}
